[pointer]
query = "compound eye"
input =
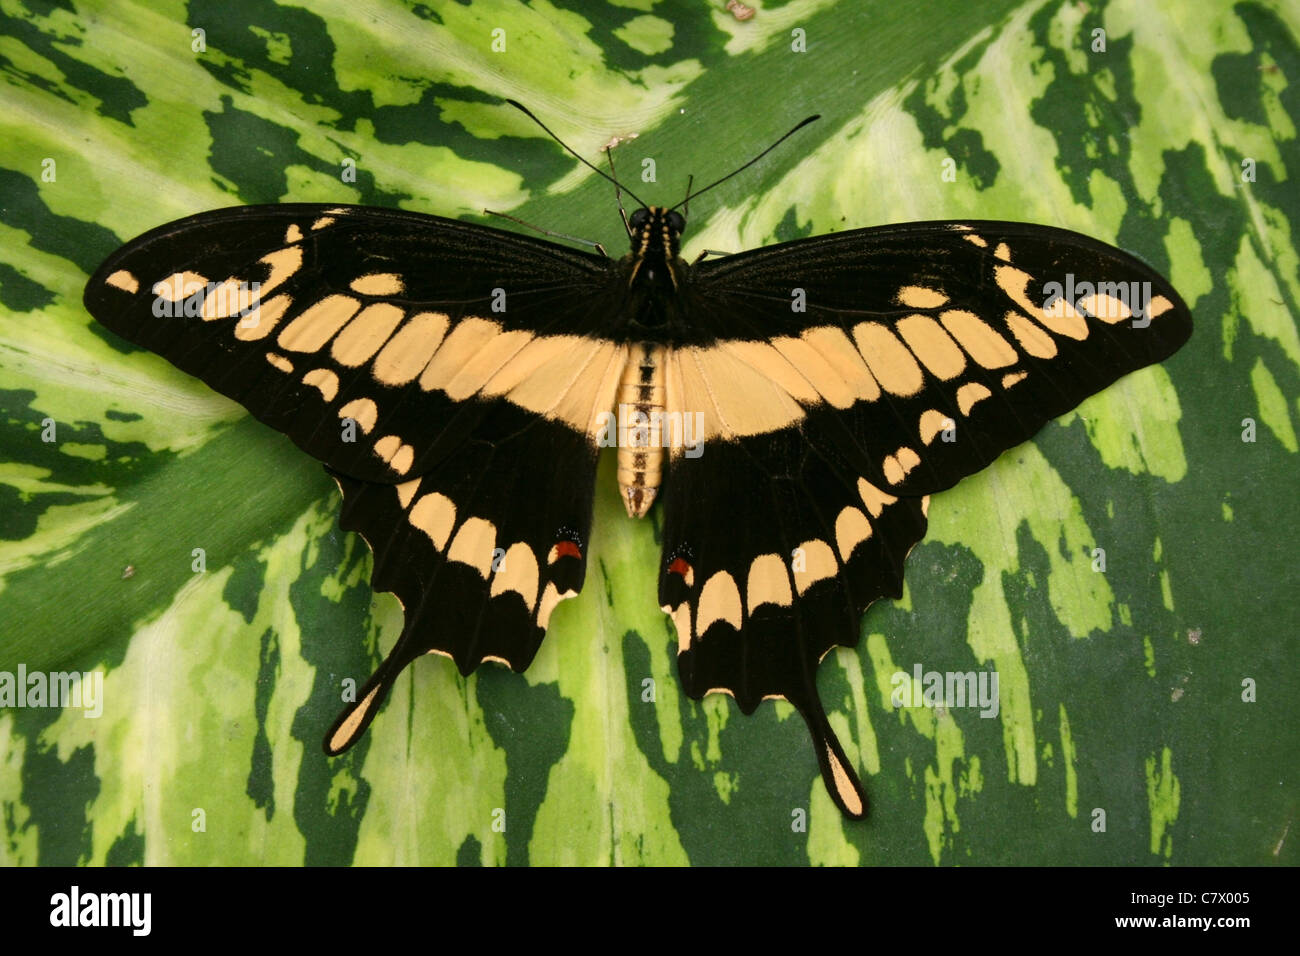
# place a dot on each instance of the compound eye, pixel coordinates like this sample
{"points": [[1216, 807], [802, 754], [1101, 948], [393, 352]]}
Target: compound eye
{"points": [[639, 218], [676, 222]]}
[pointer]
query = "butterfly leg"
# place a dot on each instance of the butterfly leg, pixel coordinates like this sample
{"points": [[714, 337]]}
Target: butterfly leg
{"points": [[546, 232]]}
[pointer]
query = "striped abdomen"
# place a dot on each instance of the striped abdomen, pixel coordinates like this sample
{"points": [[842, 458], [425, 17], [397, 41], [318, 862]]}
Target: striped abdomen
{"points": [[640, 415]]}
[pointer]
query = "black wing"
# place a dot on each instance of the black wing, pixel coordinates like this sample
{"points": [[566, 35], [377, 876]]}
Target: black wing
{"points": [[931, 348], [842, 378], [448, 375]]}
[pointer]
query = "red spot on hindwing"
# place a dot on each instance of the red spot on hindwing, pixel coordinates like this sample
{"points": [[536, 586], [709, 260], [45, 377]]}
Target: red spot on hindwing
{"points": [[680, 566], [567, 549]]}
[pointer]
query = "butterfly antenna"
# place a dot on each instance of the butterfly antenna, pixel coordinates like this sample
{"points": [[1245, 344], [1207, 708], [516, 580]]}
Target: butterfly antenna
{"points": [[618, 191], [798, 126], [523, 109]]}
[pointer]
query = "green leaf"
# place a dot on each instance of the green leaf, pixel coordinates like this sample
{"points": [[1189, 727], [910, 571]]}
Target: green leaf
{"points": [[1121, 691]]}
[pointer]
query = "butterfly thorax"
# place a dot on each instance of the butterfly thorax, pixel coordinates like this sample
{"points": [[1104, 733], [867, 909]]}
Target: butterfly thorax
{"points": [[654, 268]]}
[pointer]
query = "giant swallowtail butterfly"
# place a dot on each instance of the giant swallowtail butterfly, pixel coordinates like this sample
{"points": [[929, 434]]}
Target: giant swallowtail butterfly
{"points": [[790, 408]]}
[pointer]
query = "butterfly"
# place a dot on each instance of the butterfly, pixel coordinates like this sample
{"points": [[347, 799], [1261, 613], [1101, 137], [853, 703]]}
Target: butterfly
{"points": [[789, 408]]}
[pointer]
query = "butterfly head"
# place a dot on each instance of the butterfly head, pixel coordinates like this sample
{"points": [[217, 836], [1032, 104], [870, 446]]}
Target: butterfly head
{"points": [[656, 233]]}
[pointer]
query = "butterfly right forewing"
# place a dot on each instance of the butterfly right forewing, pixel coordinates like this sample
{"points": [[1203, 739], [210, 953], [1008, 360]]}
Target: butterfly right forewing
{"points": [[317, 316]]}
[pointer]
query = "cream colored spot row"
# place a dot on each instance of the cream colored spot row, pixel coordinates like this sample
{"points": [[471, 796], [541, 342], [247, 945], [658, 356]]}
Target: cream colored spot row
{"points": [[889, 360], [920, 297], [435, 515], [873, 498], [818, 563], [969, 394], [682, 623], [318, 323], [406, 491], [393, 451], [474, 545], [365, 334], [179, 286], [1062, 318], [980, 340], [840, 375], [228, 298], [550, 598], [899, 465], [124, 280], [280, 362], [378, 284], [768, 583], [851, 529], [1031, 338], [719, 601], [932, 423], [846, 361], [470, 356], [1158, 306], [932, 345], [1107, 308], [284, 263], [324, 380], [363, 411], [409, 350], [519, 573], [262, 320]]}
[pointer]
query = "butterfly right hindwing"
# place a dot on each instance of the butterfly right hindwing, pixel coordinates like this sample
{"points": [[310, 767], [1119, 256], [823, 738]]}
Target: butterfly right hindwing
{"points": [[479, 550]]}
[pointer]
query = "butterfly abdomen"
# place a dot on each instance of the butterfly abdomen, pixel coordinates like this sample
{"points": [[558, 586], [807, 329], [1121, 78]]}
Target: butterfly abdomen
{"points": [[640, 415]]}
